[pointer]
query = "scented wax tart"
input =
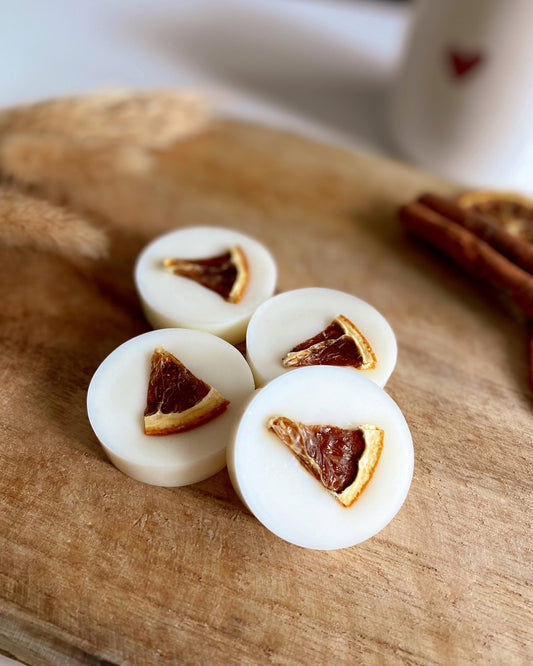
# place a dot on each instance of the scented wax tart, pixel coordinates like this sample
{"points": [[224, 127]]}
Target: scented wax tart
{"points": [[317, 326], [280, 488], [198, 406], [205, 278]]}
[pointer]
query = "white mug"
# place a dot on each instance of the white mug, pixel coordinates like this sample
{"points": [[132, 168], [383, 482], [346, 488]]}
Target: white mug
{"points": [[463, 99]]}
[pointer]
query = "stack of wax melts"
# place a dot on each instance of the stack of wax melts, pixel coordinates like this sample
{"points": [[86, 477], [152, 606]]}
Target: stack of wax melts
{"points": [[321, 455]]}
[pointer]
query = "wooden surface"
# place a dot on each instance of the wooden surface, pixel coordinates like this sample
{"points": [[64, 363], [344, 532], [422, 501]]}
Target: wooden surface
{"points": [[98, 568]]}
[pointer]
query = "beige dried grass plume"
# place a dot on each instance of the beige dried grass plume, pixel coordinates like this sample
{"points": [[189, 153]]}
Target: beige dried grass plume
{"points": [[94, 137], [33, 159], [71, 142], [29, 222], [153, 120]]}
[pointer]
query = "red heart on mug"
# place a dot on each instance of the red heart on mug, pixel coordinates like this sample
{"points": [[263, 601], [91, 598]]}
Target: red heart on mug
{"points": [[463, 61]]}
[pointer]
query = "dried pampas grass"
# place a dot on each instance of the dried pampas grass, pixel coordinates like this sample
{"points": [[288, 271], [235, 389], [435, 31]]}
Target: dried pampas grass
{"points": [[30, 222], [44, 159], [152, 120], [67, 144]]}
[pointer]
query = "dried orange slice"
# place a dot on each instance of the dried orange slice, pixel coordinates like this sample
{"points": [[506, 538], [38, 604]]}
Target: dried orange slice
{"points": [[226, 274], [512, 211], [343, 460], [177, 400], [340, 343]]}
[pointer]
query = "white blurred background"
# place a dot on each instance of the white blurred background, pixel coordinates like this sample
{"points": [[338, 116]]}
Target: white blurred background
{"points": [[318, 68]]}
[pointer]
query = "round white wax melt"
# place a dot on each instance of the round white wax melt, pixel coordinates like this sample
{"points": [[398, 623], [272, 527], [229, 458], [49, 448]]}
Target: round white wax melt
{"points": [[172, 300], [290, 318], [116, 401], [288, 499]]}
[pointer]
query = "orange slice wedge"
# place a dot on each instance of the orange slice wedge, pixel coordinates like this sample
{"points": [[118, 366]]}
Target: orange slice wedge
{"points": [[227, 274], [343, 460], [341, 343], [177, 400], [512, 211]]}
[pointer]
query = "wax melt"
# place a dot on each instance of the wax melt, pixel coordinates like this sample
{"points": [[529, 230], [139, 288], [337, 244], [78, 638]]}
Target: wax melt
{"points": [[285, 321], [285, 496], [170, 296], [117, 400]]}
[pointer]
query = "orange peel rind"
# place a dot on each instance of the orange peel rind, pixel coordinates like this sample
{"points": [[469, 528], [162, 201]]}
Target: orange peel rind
{"points": [[512, 210]]}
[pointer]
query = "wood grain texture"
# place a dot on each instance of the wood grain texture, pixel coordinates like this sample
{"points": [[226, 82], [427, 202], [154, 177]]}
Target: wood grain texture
{"points": [[98, 568]]}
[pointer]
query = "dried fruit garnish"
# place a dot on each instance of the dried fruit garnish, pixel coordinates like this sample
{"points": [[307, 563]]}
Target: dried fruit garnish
{"points": [[512, 211], [343, 460], [177, 400], [226, 274], [341, 343]]}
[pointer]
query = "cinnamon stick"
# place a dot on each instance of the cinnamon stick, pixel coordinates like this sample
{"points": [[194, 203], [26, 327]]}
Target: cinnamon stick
{"points": [[470, 252], [518, 250], [531, 356]]}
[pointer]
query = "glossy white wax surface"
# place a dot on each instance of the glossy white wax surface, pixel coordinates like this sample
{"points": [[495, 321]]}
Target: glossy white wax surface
{"points": [[290, 318], [117, 398], [287, 498], [172, 300]]}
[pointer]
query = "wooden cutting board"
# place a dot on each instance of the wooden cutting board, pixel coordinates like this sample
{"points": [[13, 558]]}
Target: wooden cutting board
{"points": [[98, 568]]}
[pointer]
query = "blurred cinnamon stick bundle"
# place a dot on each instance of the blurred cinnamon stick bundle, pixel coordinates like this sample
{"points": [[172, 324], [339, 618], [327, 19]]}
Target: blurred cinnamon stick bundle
{"points": [[477, 244]]}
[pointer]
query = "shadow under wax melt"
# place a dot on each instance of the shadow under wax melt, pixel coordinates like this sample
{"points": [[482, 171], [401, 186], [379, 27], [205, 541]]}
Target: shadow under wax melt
{"points": [[283, 494], [117, 398], [170, 300]]}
